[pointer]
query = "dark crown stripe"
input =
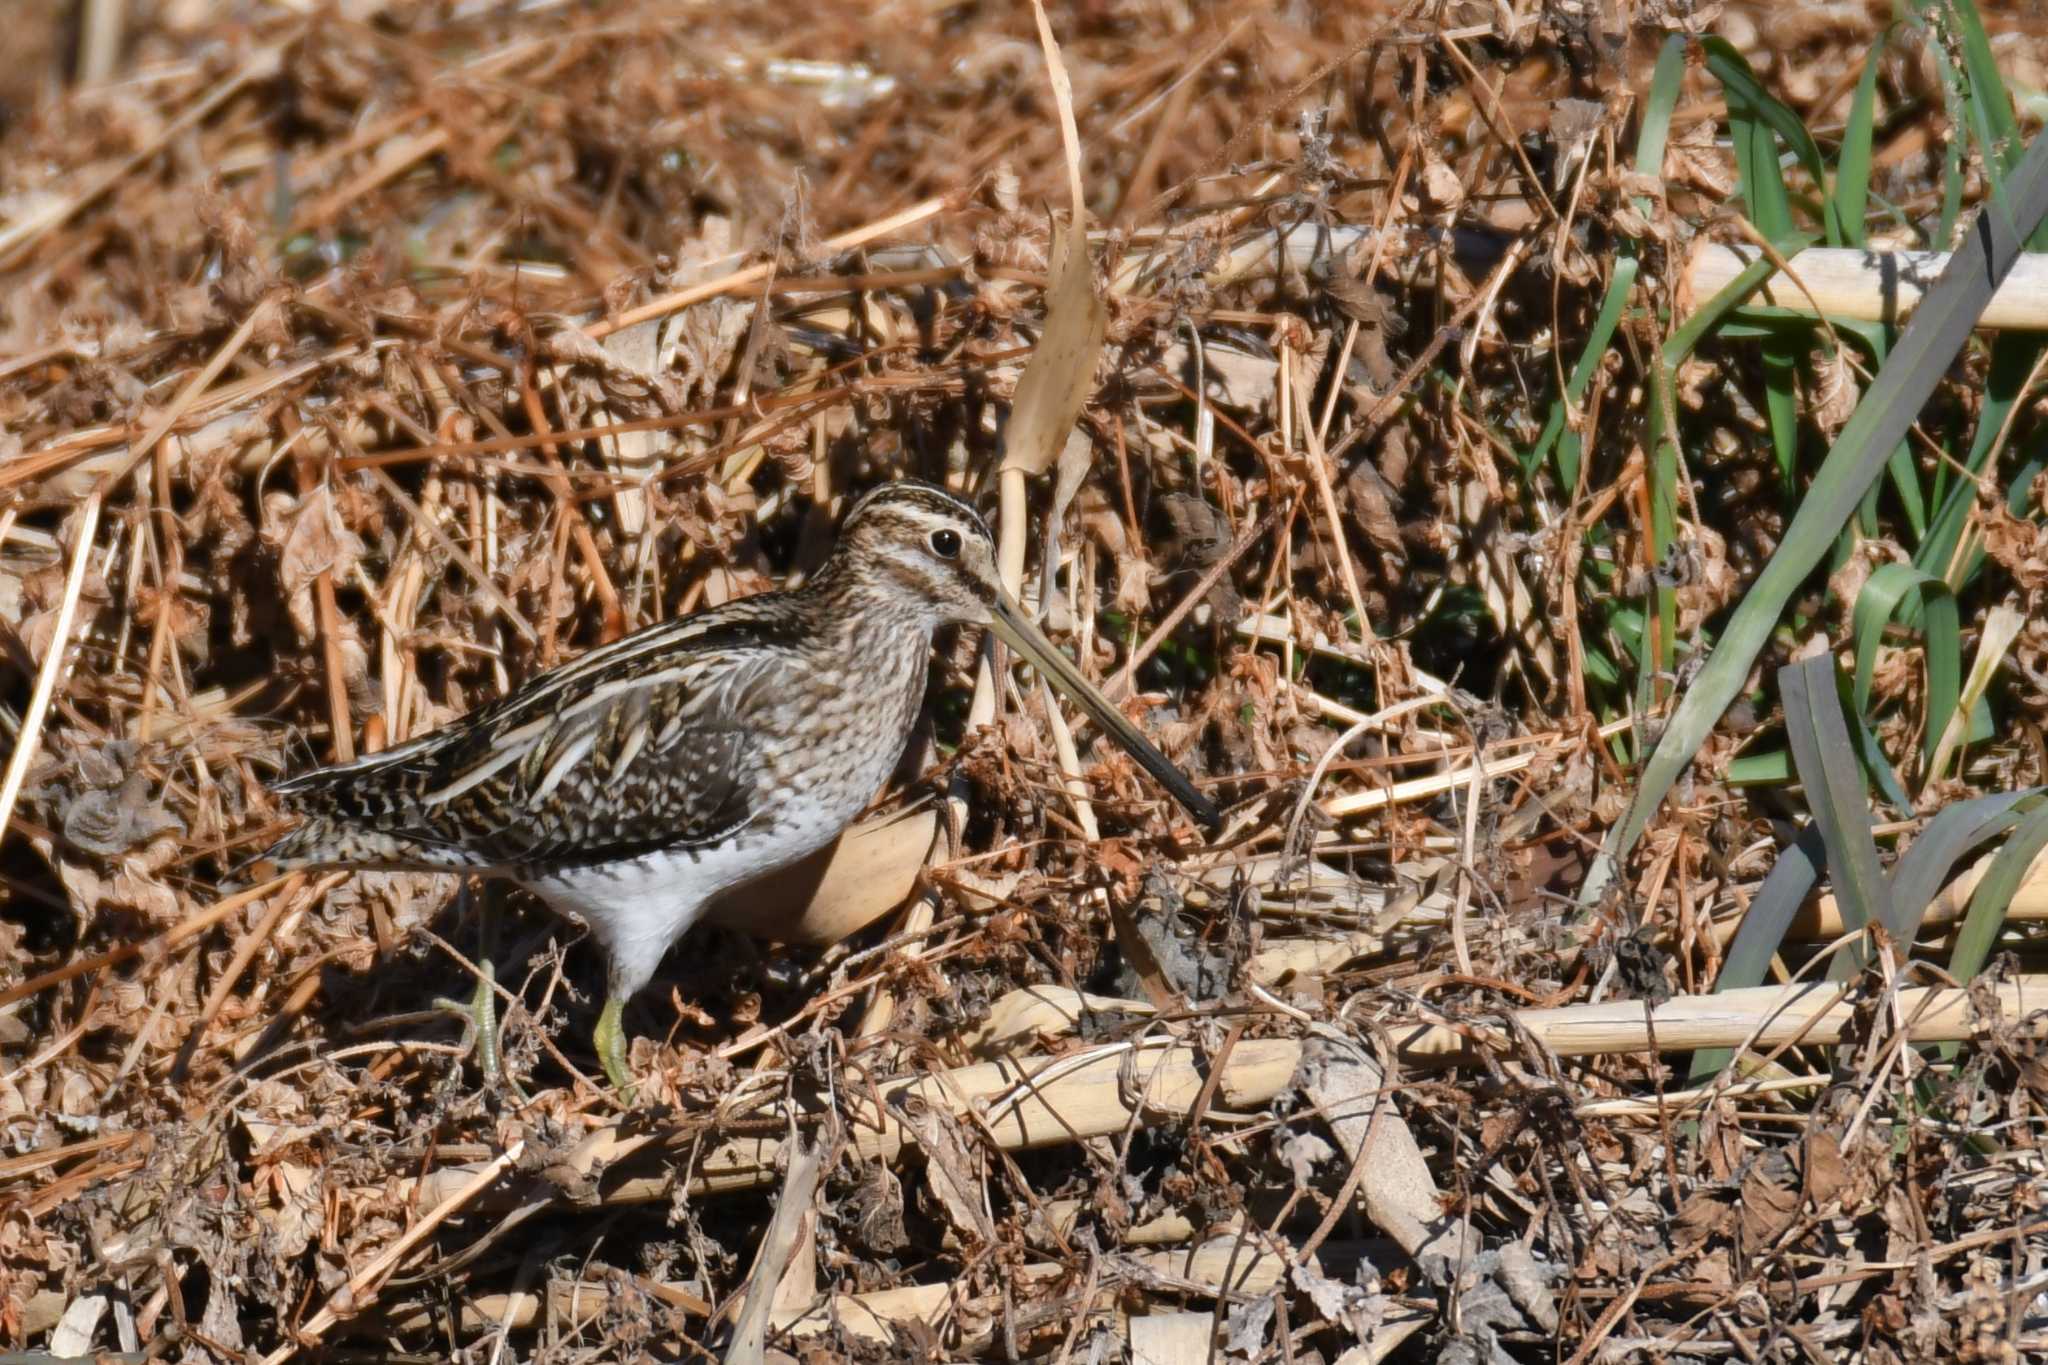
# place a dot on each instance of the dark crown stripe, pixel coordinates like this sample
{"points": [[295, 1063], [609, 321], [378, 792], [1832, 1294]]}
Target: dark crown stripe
{"points": [[910, 494]]}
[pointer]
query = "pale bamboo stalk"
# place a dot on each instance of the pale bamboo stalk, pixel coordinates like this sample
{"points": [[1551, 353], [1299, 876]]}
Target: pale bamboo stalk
{"points": [[1870, 286], [1673, 1101], [1423, 788], [1035, 1101], [1847, 283], [1046, 1101], [1312, 955], [1820, 920], [1029, 1014], [870, 1316], [1813, 1012], [1202, 1268], [1816, 1013]]}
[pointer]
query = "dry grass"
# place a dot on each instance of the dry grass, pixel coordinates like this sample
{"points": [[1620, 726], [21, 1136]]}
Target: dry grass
{"points": [[354, 369]]}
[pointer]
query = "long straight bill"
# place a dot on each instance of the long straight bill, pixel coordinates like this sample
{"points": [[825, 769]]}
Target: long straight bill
{"points": [[1017, 631]]}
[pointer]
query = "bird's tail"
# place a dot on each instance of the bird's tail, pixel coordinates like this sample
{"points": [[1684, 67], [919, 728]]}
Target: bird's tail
{"points": [[323, 841], [315, 842], [353, 815], [336, 825]]}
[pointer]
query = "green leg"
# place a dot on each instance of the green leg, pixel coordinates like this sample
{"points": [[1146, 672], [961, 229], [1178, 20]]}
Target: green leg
{"points": [[480, 1011], [611, 1046], [479, 1016], [483, 1008]]}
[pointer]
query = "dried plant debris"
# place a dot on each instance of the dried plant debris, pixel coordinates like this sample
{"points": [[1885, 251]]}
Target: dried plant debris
{"points": [[357, 366]]}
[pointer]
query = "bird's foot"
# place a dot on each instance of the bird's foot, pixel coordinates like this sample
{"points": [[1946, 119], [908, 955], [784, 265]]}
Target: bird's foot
{"points": [[611, 1047], [479, 1015]]}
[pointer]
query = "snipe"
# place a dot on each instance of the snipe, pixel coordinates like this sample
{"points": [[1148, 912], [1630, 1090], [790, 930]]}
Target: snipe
{"points": [[632, 786]]}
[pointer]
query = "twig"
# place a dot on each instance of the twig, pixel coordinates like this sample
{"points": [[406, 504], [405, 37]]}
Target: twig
{"points": [[361, 1290], [245, 953], [18, 238], [140, 450], [26, 742], [753, 274], [1122, 683], [172, 937]]}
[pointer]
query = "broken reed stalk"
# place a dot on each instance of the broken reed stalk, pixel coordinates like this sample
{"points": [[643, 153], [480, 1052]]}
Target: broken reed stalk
{"points": [[793, 1211], [870, 1316], [1870, 286], [28, 738], [1041, 1101], [361, 1289], [1847, 283]]}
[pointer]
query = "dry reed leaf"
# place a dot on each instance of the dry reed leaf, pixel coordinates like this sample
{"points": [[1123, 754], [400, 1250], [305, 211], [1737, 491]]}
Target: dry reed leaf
{"points": [[1061, 373], [1401, 1197], [952, 1169], [839, 890]]}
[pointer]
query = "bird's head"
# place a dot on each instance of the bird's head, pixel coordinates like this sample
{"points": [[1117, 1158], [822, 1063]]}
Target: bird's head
{"points": [[930, 556], [924, 551]]}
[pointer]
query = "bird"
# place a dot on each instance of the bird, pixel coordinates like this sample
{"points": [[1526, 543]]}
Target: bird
{"points": [[631, 786]]}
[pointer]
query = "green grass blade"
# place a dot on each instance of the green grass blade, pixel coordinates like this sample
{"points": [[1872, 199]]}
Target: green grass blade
{"points": [[1663, 447], [1827, 765], [1892, 587], [1853, 161], [1926, 867], [1708, 317], [1985, 98], [1756, 122], [1781, 409], [1913, 500], [1951, 189], [1555, 434], [2013, 355], [1908, 487], [1930, 340], [1773, 767], [1754, 116], [1762, 931], [1665, 84], [1993, 896], [1877, 765]]}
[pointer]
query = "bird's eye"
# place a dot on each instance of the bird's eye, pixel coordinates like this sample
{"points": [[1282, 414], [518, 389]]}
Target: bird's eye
{"points": [[946, 543]]}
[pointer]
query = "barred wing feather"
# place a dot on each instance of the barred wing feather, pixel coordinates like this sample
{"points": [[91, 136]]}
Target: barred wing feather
{"points": [[639, 746]]}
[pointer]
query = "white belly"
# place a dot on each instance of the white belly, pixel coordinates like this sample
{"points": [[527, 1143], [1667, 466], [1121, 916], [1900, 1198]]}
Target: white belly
{"points": [[637, 909]]}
